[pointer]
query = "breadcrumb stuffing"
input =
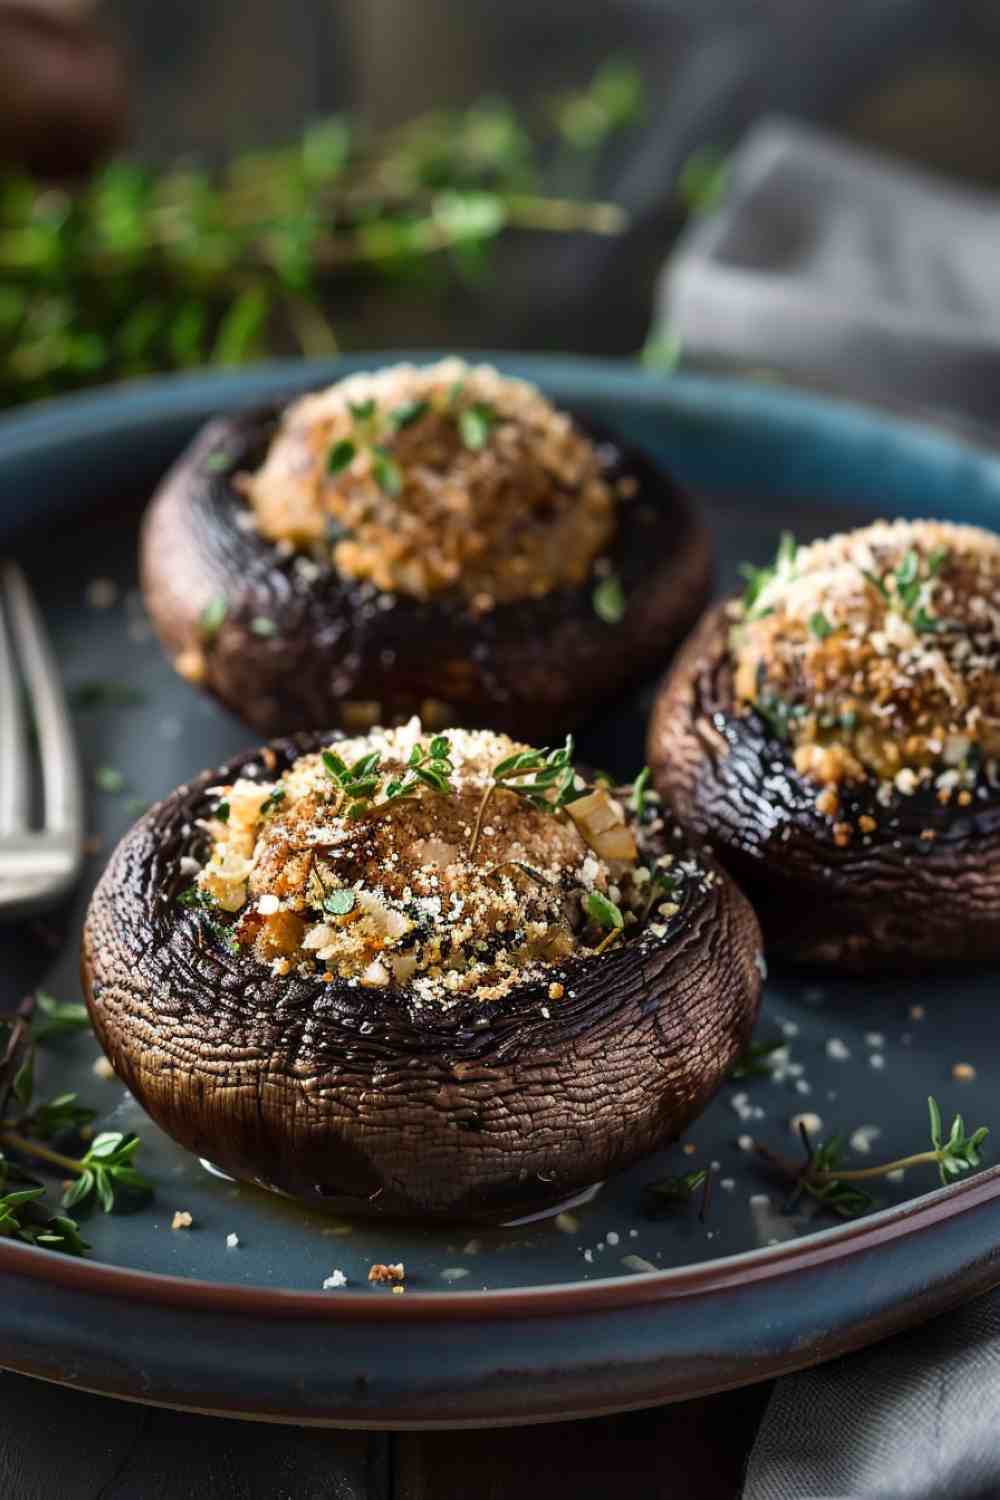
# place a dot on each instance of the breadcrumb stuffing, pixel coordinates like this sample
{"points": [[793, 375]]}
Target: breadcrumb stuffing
{"points": [[876, 655], [385, 892], [423, 479]]}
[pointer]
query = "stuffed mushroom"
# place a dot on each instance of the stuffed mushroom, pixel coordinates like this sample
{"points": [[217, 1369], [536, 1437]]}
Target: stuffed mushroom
{"points": [[835, 734], [437, 540], [438, 976]]}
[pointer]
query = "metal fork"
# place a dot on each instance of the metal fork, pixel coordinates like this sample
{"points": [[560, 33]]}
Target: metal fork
{"points": [[37, 866]]}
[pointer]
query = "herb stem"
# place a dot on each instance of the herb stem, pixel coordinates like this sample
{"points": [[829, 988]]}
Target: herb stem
{"points": [[18, 1142], [861, 1174], [480, 815]]}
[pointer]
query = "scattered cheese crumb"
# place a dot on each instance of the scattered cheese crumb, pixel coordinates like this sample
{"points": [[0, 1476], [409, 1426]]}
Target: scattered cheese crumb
{"points": [[334, 1280], [837, 1049], [963, 1072], [862, 1138], [102, 1068], [232, 1242], [181, 1220]]}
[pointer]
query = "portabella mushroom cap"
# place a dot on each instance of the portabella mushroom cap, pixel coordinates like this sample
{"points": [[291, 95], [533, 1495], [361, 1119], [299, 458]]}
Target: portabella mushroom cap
{"points": [[339, 652], [923, 887], [359, 1098]]}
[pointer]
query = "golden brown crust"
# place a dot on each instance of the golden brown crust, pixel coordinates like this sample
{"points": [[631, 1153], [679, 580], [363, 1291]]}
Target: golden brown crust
{"points": [[866, 887], [338, 653]]}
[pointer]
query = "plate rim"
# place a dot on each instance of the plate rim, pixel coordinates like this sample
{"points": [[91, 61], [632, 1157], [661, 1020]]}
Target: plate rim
{"points": [[837, 1242]]}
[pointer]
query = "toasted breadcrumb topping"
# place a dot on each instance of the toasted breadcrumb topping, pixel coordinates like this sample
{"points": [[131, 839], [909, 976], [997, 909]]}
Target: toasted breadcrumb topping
{"points": [[436, 892], [423, 479], [876, 654]]}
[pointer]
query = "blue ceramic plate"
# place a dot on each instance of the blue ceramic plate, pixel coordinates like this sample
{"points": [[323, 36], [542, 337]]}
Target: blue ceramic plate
{"points": [[596, 1309]]}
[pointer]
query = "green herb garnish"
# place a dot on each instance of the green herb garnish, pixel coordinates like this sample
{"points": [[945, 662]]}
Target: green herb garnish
{"points": [[109, 779], [107, 1174], [263, 626], [407, 413], [212, 617], [545, 778], [275, 799], [221, 812], [604, 912], [475, 423], [820, 625], [387, 473], [823, 1178], [340, 455], [639, 792], [608, 600], [54, 1018], [755, 1061], [659, 1199], [339, 903], [104, 1173], [758, 579]]}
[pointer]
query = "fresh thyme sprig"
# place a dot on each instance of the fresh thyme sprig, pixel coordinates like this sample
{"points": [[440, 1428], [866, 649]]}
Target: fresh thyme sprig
{"points": [[659, 1199], [755, 1061], [607, 915], [144, 269], [904, 589], [104, 1173], [758, 579], [823, 1178], [366, 792], [545, 778]]}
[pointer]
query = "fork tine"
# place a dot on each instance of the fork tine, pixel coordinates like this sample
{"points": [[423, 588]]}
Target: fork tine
{"points": [[13, 744], [57, 748]]}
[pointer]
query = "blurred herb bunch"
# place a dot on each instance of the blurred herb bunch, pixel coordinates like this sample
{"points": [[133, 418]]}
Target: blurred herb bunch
{"points": [[146, 269]]}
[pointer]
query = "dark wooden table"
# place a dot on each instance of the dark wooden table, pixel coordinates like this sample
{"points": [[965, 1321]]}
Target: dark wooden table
{"points": [[60, 1444]]}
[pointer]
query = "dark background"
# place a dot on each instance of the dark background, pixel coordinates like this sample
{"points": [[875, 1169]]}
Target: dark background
{"points": [[920, 78]]}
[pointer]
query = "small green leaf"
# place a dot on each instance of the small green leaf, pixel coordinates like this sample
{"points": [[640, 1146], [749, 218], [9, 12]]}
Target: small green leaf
{"points": [[340, 455], [386, 472], [362, 411], [475, 423], [56, 1017], [820, 625], [603, 911], [109, 779], [24, 1080], [212, 617], [609, 600], [339, 903], [660, 1198], [639, 789], [221, 812], [407, 413], [935, 1117]]}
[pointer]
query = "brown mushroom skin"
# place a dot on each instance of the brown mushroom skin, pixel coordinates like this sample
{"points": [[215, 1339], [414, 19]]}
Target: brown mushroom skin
{"points": [[533, 668], [894, 899], [354, 1097]]}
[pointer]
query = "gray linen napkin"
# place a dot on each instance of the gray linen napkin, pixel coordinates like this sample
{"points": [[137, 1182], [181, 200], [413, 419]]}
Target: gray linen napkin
{"points": [[915, 1418], [838, 266]]}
